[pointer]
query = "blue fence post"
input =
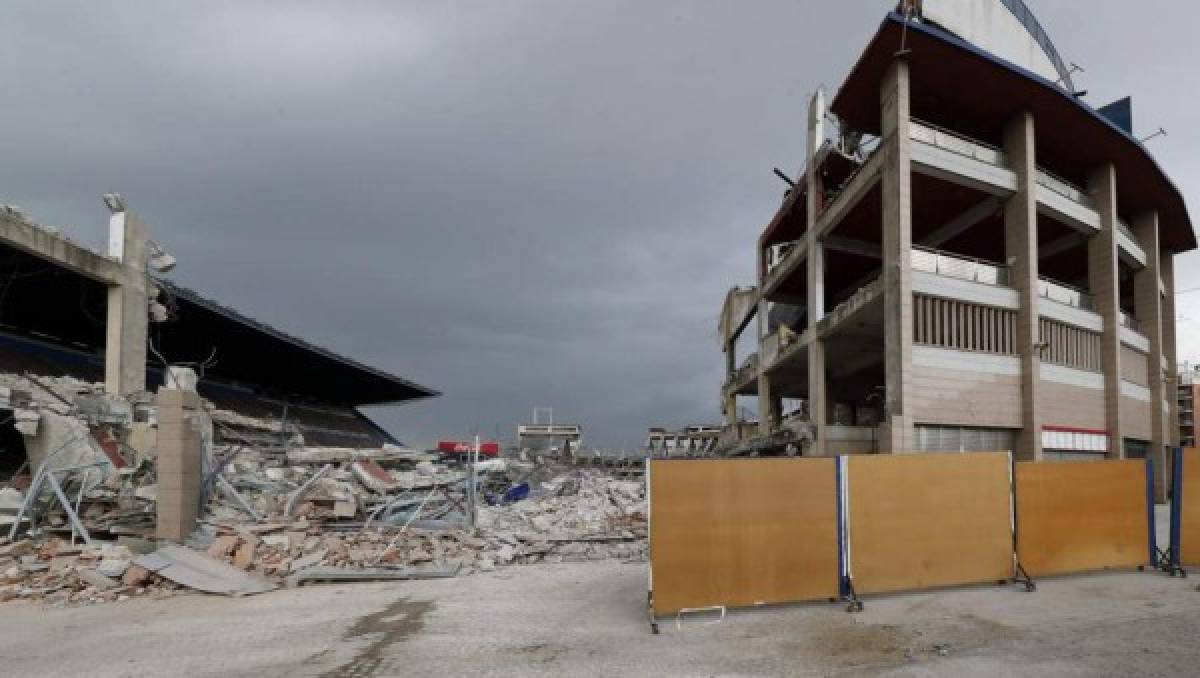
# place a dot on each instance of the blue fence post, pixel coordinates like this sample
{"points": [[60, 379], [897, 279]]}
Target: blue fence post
{"points": [[1152, 535], [843, 584], [1176, 504]]}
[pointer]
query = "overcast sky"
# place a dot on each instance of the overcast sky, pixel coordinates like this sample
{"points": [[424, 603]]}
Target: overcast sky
{"points": [[516, 203]]}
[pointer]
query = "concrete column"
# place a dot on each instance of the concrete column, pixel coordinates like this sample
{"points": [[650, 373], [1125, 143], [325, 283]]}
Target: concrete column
{"points": [[1147, 307], [1104, 281], [1166, 267], [181, 423], [728, 399], [896, 431], [815, 287], [769, 405], [1021, 252], [125, 343]]}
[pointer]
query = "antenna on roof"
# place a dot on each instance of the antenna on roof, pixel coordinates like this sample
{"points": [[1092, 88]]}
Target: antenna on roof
{"points": [[779, 173], [1075, 68], [1160, 133], [909, 10]]}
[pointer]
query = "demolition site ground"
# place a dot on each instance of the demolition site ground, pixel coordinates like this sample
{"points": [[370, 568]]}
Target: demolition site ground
{"points": [[589, 619]]}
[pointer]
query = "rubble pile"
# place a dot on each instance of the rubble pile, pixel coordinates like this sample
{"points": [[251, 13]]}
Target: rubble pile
{"points": [[278, 509], [587, 515], [56, 572], [583, 515]]}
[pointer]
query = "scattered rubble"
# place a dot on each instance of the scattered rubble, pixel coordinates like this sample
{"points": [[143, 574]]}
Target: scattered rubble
{"points": [[303, 514]]}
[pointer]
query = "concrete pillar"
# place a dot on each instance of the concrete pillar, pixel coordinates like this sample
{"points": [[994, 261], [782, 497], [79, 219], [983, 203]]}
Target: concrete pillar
{"points": [[1147, 307], [181, 422], [1166, 266], [125, 343], [815, 285], [1104, 281], [1021, 252], [769, 405], [728, 399], [896, 431]]}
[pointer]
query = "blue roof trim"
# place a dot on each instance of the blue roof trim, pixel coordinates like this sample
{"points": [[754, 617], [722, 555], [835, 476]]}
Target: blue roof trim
{"points": [[946, 36]]}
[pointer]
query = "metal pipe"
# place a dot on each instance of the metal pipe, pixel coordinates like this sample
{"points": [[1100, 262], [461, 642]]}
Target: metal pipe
{"points": [[303, 490]]}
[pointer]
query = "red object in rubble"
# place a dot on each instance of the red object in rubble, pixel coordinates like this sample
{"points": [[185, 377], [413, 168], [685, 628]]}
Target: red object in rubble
{"points": [[459, 447]]}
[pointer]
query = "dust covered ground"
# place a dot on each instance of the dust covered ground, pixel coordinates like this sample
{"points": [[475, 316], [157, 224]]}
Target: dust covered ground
{"points": [[590, 619]]}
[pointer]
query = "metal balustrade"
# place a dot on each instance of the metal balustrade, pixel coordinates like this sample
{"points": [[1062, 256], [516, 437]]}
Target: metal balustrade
{"points": [[1064, 188], [931, 134], [1065, 294], [1130, 322], [959, 266]]}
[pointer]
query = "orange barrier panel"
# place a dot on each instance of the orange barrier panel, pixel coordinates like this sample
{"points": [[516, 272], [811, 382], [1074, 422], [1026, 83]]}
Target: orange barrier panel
{"points": [[1186, 507], [1081, 516], [924, 520], [739, 532]]}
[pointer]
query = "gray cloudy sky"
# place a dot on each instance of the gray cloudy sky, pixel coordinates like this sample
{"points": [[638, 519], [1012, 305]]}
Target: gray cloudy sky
{"points": [[518, 203]]}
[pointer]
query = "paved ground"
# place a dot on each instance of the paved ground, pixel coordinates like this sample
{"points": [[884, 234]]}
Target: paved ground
{"points": [[590, 619]]}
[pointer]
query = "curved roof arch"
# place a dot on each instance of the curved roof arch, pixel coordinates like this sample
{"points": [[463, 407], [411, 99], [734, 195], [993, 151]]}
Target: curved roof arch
{"points": [[1007, 28]]}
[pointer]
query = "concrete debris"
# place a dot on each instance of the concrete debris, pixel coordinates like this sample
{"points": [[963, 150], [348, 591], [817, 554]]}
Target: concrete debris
{"points": [[332, 574], [295, 513], [196, 570]]}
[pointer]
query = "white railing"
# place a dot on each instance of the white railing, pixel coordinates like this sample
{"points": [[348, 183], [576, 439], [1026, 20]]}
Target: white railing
{"points": [[1064, 188], [1124, 228], [928, 133], [1130, 322], [958, 266], [1065, 294]]}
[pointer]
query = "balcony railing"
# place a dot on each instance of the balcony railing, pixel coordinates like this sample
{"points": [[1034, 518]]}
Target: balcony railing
{"points": [[1064, 188], [959, 266], [931, 134], [1065, 294], [1124, 228], [1130, 322]]}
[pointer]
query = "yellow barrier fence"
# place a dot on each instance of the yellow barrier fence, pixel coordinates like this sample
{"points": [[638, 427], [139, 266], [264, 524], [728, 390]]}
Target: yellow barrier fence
{"points": [[740, 532], [917, 521], [1185, 508], [1082, 516]]}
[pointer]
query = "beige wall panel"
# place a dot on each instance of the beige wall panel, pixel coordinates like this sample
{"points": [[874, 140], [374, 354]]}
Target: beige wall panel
{"points": [[1135, 418], [959, 397], [739, 532], [919, 521], [1134, 366], [1066, 405], [1078, 517], [1189, 510]]}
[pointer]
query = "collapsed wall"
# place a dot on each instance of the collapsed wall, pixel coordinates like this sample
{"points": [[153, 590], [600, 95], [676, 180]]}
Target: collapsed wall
{"points": [[268, 504]]}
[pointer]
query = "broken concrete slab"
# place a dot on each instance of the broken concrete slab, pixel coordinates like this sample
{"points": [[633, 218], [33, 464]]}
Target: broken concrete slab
{"points": [[96, 579], [373, 476], [198, 571], [304, 562], [334, 574]]}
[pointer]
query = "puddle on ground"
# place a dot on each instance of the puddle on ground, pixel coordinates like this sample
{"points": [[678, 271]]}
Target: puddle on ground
{"points": [[393, 624]]}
